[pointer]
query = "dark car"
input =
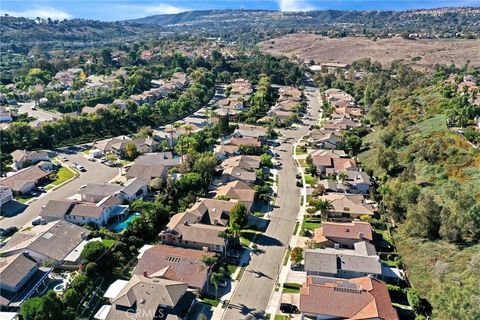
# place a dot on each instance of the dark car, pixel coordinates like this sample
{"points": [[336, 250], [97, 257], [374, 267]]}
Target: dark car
{"points": [[8, 232], [288, 308]]}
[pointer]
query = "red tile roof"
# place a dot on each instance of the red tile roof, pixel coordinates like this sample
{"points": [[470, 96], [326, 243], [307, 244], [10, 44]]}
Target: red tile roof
{"points": [[359, 298], [174, 263], [350, 230]]}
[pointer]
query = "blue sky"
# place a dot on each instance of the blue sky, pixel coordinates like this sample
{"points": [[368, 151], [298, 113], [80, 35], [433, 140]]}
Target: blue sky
{"points": [[111, 10]]}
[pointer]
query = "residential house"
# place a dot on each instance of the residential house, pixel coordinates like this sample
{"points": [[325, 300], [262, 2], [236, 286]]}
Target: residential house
{"points": [[344, 234], [251, 131], [113, 145], [95, 192], [58, 243], [66, 77], [143, 298], [330, 164], [343, 263], [339, 125], [353, 112], [6, 195], [232, 146], [354, 182], [240, 168], [176, 264], [80, 212], [223, 151], [23, 158], [324, 139], [5, 115], [25, 180], [359, 298], [132, 189], [153, 165], [199, 226], [349, 205], [20, 277], [237, 190]]}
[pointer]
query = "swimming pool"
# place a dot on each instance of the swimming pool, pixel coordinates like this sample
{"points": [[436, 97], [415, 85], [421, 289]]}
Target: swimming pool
{"points": [[120, 225]]}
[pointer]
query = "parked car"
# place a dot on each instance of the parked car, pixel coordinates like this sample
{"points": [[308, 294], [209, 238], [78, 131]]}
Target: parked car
{"points": [[81, 168], [288, 308], [110, 163], [298, 176], [8, 232], [37, 221], [296, 267], [64, 159], [91, 159]]}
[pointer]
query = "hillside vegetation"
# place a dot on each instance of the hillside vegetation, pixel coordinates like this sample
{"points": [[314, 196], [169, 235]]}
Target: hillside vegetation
{"points": [[428, 178]]}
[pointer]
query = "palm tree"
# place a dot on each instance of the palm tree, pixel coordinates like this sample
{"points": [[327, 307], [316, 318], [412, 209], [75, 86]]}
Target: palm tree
{"points": [[342, 176], [215, 279], [323, 206]]}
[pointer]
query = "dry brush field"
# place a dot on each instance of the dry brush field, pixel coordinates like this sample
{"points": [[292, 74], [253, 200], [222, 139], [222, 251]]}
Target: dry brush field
{"points": [[424, 53]]}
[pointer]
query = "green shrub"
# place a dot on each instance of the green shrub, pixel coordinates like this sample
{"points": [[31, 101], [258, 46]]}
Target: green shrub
{"points": [[413, 299]]}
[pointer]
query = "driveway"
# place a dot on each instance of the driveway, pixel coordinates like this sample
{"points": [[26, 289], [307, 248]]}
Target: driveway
{"points": [[296, 276], [252, 294], [96, 173]]}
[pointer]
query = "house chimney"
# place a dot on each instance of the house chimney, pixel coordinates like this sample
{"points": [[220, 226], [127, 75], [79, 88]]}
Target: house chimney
{"points": [[336, 246], [360, 235], [145, 273]]}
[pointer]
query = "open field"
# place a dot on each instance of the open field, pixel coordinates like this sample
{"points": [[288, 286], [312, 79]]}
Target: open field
{"points": [[423, 53]]}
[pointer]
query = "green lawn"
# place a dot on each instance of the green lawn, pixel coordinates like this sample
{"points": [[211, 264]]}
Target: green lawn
{"points": [[63, 175], [231, 268], [210, 301], [246, 237], [309, 179], [124, 162], [296, 227], [240, 273], [300, 150], [23, 199], [287, 256], [311, 223], [281, 317], [302, 163], [108, 242], [290, 290]]}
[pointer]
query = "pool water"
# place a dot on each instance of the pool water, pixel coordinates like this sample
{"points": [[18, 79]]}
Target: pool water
{"points": [[120, 225]]}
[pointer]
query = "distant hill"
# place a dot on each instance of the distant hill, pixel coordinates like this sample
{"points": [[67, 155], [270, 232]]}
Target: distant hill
{"points": [[19, 30], [246, 26], [446, 21]]}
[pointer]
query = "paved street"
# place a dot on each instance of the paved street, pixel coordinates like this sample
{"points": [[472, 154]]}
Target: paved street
{"points": [[26, 107], [253, 292], [96, 173]]}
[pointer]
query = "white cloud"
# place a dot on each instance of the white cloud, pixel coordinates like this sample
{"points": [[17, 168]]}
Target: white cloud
{"points": [[294, 5], [154, 9], [42, 12]]}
